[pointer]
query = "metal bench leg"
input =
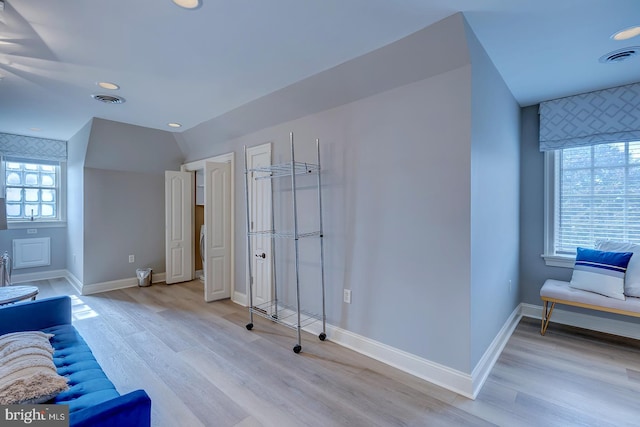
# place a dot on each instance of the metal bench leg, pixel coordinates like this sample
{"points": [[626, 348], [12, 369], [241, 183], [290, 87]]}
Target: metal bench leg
{"points": [[546, 316]]}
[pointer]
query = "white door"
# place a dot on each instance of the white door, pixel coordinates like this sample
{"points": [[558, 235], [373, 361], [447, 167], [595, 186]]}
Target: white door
{"points": [[260, 220], [217, 219], [178, 190]]}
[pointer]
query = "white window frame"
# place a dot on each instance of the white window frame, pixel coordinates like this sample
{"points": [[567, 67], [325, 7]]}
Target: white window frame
{"points": [[551, 171], [61, 202], [551, 200]]}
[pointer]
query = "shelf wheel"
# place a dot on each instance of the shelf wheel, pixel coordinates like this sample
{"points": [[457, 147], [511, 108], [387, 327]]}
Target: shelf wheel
{"points": [[297, 349], [322, 336], [249, 326]]}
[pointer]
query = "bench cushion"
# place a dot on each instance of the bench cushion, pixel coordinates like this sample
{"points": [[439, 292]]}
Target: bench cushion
{"points": [[560, 290]]}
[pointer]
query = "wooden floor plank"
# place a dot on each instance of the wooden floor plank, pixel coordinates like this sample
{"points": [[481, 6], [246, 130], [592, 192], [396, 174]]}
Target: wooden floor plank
{"points": [[202, 367]]}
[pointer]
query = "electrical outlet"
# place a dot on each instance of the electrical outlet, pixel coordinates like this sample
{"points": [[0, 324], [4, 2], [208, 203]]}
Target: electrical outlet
{"points": [[132, 258], [32, 231], [347, 296]]}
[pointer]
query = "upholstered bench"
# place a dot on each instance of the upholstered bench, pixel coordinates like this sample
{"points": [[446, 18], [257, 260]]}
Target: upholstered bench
{"points": [[557, 291], [92, 398]]}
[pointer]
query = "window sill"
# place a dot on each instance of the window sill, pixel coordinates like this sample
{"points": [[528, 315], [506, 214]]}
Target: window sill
{"points": [[17, 225], [565, 261]]}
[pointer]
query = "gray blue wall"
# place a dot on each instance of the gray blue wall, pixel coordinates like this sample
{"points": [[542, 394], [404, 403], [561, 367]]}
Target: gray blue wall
{"points": [[123, 215], [533, 271], [402, 221], [395, 235], [495, 192], [58, 236], [124, 199], [76, 152]]}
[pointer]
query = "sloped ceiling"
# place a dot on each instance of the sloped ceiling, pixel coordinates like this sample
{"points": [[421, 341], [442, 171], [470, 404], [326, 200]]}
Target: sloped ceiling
{"points": [[177, 65]]}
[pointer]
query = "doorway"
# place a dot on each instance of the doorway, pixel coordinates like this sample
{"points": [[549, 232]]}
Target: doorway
{"points": [[213, 208]]}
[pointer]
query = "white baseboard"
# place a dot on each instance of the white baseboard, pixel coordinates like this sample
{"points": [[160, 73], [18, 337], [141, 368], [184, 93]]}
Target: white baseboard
{"points": [[586, 321], [459, 382], [113, 285], [158, 277], [444, 376], [240, 298], [44, 275], [482, 370], [77, 284], [95, 288]]}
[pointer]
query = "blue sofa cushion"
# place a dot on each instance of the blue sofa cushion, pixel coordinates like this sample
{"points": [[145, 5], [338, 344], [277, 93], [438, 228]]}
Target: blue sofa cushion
{"points": [[93, 400], [88, 384]]}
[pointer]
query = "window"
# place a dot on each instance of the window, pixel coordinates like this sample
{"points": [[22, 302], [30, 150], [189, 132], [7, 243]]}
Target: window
{"points": [[32, 190], [593, 192]]}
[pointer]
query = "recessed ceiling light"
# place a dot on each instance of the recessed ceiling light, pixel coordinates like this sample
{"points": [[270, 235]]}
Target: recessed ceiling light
{"points": [[626, 34], [174, 125], [188, 4], [35, 129], [108, 85]]}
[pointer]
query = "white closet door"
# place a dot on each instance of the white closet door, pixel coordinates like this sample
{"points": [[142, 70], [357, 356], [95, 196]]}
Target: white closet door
{"points": [[217, 219], [178, 187]]}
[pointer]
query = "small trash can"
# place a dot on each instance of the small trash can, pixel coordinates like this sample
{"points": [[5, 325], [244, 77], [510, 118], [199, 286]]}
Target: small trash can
{"points": [[144, 276]]}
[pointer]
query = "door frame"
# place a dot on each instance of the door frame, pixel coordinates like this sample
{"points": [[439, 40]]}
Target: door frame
{"points": [[199, 164]]}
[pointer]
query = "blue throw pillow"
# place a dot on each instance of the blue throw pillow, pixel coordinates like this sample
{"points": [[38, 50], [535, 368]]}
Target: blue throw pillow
{"points": [[600, 272]]}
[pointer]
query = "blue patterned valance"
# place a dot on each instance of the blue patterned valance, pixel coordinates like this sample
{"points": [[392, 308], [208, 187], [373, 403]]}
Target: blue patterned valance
{"points": [[604, 116], [32, 148]]}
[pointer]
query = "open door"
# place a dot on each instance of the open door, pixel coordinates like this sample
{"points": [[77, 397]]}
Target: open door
{"points": [[178, 190], [217, 219]]}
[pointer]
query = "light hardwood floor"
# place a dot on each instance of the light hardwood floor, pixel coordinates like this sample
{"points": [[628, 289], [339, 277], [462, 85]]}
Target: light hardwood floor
{"points": [[201, 367]]}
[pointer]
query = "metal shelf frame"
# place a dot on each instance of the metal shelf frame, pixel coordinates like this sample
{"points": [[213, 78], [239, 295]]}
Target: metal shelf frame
{"points": [[290, 316]]}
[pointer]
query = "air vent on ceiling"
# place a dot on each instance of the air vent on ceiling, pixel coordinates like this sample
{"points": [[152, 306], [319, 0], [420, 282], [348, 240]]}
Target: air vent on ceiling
{"points": [[620, 54], [108, 99]]}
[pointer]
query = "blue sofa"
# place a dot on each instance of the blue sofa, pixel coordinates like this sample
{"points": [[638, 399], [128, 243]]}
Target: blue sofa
{"points": [[92, 398]]}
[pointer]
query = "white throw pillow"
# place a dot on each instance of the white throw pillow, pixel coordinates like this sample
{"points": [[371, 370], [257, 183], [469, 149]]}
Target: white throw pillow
{"points": [[600, 272], [27, 371], [632, 278]]}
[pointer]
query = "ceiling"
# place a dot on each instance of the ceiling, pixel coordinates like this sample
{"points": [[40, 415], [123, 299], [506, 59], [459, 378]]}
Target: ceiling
{"points": [[189, 66]]}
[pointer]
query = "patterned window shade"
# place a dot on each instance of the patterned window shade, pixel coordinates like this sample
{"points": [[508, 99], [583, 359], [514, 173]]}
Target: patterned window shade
{"points": [[32, 148], [601, 117]]}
